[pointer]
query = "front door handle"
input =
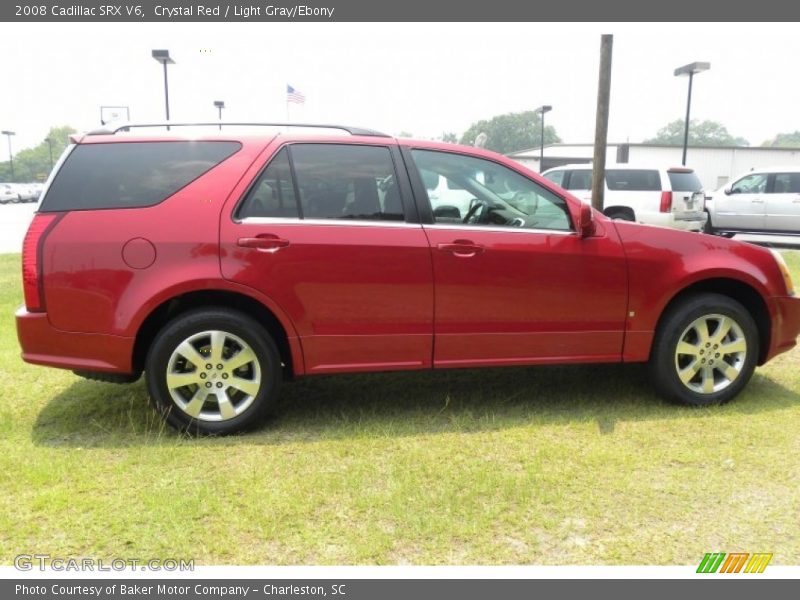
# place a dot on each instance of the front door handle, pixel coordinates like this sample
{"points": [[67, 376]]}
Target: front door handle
{"points": [[266, 242], [757, 201], [461, 248]]}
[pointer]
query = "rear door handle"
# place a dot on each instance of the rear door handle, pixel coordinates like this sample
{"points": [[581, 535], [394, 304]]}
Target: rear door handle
{"points": [[266, 242], [461, 248], [757, 201]]}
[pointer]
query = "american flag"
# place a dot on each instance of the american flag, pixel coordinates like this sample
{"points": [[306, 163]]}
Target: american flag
{"points": [[293, 95]]}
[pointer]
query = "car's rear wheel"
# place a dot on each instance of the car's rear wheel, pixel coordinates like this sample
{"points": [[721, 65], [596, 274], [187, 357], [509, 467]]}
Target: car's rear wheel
{"points": [[213, 371], [705, 350]]}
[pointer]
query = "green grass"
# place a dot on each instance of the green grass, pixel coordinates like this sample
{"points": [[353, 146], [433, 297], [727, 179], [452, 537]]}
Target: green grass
{"points": [[566, 465]]}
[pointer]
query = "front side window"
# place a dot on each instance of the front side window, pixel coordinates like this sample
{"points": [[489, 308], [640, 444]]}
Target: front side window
{"points": [[786, 183], [468, 190], [750, 184], [338, 181]]}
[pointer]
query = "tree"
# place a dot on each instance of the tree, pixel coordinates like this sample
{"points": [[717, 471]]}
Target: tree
{"points": [[784, 140], [450, 138], [511, 132], [701, 133], [33, 164]]}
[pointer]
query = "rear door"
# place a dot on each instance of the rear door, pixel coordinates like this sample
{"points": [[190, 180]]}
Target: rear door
{"points": [[782, 207], [328, 232], [744, 206]]}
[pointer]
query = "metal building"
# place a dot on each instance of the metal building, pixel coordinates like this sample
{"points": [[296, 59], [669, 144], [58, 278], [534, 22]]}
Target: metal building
{"points": [[715, 166]]}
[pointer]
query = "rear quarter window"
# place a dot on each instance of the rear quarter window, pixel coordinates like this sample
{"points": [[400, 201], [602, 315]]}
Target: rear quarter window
{"points": [[130, 174], [681, 181], [633, 180]]}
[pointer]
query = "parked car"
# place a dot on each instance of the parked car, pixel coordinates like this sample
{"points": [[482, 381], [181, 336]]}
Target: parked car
{"points": [[37, 190], [8, 193], [27, 192], [223, 265], [760, 201], [669, 197]]}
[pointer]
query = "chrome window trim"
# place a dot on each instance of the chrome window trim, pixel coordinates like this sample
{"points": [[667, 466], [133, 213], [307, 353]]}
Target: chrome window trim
{"points": [[498, 229], [328, 222]]}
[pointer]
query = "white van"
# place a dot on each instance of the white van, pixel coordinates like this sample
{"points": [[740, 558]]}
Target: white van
{"points": [[669, 197], [760, 201]]}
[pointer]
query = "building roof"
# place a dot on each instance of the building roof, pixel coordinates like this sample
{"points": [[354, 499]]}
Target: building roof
{"points": [[536, 149]]}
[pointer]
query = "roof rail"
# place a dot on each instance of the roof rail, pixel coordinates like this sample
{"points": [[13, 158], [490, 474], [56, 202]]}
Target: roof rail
{"points": [[112, 129]]}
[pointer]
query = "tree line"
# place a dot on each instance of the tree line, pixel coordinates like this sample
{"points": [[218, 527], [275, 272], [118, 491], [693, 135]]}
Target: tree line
{"points": [[506, 133], [33, 164]]}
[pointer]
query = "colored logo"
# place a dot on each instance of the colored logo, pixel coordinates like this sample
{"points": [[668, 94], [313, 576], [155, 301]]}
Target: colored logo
{"points": [[735, 562]]}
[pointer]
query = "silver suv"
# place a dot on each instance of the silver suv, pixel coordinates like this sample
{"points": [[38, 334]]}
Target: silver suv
{"points": [[669, 197], [761, 201]]}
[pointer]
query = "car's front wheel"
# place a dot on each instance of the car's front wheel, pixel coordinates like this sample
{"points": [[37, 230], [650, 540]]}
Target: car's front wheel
{"points": [[213, 371], [705, 350]]}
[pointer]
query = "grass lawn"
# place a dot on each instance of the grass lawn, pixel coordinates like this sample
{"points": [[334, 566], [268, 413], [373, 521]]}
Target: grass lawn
{"points": [[561, 465]]}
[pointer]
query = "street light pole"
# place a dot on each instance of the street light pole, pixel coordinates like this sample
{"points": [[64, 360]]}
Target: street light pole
{"points": [[690, 70], [542, 110], [220, 104], [8, 134], [163, 57], [50, 148]]}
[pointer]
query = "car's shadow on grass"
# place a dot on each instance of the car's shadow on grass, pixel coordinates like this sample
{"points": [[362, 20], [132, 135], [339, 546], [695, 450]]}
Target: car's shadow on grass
{"points": [[399, 404]]}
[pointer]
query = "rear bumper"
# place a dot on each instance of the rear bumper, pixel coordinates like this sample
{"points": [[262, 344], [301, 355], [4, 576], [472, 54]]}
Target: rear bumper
{"points": [[785, 313], [42, 344]]}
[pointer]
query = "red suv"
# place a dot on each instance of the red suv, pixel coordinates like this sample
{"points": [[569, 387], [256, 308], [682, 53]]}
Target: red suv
{"points": [[223, 265]]}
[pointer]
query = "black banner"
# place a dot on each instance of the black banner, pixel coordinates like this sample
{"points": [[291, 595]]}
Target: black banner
{"points": [[395, 589], [407, 10]]}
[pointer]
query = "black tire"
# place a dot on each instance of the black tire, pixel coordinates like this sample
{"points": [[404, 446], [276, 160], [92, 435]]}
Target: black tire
{"points": [[677, 326], [709, 227], [620, 215], [261, 374]]}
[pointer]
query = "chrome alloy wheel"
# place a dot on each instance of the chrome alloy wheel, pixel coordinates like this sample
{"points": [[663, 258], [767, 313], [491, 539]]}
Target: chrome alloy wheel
{"points": [[710, 354], [213, 376]]}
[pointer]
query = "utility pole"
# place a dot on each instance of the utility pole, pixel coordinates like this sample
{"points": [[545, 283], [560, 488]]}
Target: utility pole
{"points": [[601, 125]]}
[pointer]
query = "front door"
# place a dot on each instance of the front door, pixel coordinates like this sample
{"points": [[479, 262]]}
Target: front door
{"points": [[743, 207], [515, 283]]}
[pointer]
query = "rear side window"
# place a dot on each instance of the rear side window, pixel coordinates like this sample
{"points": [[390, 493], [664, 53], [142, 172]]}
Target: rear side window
{"points": [[683, 181], [633, 180], [273, 194], [786, 183], [130, 174], [338, 181]]}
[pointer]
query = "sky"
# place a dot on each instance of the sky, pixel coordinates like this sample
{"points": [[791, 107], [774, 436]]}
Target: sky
{"points": [[422, 78]]}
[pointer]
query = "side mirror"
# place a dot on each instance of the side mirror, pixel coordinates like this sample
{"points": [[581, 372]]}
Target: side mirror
{"points": [[727, 191], [586, 224]]}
